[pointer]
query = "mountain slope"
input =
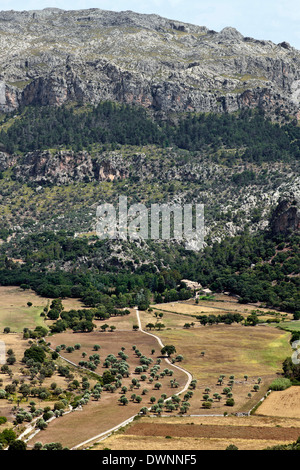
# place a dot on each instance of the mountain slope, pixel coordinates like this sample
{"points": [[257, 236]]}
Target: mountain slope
{"points": [[52, 56], [58, 164], [99, 104]]}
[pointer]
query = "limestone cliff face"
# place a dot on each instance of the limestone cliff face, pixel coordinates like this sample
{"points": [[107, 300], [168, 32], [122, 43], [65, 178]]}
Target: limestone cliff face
{"points": [[64, 167], [59, 168], [286, 217], [52, 56]]}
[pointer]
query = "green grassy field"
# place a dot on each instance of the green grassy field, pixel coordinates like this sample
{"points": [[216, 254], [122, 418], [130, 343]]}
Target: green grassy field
{"points": [[291, 326], [14, 311], [16, 314]]}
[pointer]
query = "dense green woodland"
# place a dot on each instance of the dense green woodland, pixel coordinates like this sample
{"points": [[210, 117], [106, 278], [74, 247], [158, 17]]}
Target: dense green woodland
{"points": [[110, 124], [255, 267]]}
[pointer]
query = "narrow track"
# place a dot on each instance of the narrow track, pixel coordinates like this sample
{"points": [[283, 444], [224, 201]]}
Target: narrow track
{"points": [[129, 420]]}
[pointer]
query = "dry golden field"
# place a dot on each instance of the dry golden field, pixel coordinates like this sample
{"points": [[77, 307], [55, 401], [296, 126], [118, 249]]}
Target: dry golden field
{"points": [[222, 304], [285, 404], [107, 412], [232, 350]]}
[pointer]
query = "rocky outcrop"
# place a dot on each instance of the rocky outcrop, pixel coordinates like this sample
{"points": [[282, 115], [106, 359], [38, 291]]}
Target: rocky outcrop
{"points": [[52, 56], [64, 167], [7, 161], [286, 216]]}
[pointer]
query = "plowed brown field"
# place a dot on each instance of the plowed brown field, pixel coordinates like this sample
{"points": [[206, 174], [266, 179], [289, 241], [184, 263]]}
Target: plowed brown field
{"points": [[215, 431]]}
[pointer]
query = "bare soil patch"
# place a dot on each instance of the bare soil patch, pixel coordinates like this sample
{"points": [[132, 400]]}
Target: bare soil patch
{"points": [[216, 432], [134, 436]]}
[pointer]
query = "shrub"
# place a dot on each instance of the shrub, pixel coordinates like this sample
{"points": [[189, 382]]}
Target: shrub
{"points": [[280, 384], [34, 352], [230, 402], [41, 424], [206, 404]]}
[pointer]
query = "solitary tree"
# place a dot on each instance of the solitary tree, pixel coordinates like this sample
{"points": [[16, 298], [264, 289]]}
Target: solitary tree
{"points": [[18, 445], [168, 349], [104, 327], [123, 400]]}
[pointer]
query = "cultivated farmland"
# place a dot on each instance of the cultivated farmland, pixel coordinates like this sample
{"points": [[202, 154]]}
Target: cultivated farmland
{"points": [[226, 362]]}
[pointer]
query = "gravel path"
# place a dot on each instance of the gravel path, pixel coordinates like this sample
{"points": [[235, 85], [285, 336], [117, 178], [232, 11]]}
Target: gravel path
{"points": [[129, 420]]}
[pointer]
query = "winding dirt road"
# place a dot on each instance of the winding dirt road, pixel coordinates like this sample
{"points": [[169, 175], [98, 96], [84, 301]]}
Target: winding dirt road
{"points": [[129, 420]]}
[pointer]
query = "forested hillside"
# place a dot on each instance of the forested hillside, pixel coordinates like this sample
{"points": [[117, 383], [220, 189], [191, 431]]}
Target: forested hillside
{"points": [[256, 137], [251, 261], [258, 268]]}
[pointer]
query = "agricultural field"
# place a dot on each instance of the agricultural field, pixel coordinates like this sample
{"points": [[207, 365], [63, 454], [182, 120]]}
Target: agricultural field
{"points": [[14, 311], [283, 403], [219, 304], [275, 422], [17, 313], [291, 325], [108, 412], [203, 433], [226, 362]]}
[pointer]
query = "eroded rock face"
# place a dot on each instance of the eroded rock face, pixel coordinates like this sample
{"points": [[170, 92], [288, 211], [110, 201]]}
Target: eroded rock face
{"points": [[52, 56], [286, 217], [58, 168], [64, 167], [7, 161]]}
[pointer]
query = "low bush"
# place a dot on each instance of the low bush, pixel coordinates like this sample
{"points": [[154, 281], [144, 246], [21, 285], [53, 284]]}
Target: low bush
{"points": [[280, 384]]}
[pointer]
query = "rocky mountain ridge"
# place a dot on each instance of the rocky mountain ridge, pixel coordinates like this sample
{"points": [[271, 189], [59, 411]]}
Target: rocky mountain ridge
{"points": [[55, 57], [52, 56]]}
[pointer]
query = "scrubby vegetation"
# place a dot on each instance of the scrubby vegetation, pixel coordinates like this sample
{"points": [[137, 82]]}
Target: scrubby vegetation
{"points": [[292, 446], [280, 384]]}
